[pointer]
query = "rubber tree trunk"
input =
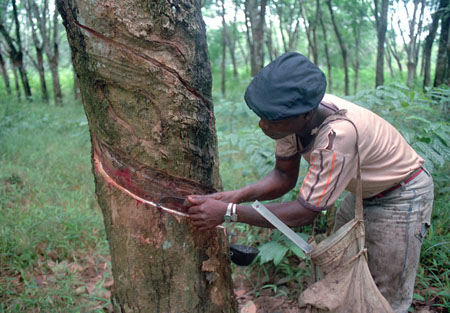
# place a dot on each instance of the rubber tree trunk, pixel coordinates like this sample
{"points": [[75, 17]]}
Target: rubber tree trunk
{"points": [[39, 62], [16, 82], [381, 24], [442, 60], [41, 71], [343, 47], [327, 54], [429, 40], [145, 82], [5, 74], [255, 11]]}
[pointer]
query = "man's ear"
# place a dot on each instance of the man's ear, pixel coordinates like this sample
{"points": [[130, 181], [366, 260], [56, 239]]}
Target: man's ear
{"points": [[308, 115]]}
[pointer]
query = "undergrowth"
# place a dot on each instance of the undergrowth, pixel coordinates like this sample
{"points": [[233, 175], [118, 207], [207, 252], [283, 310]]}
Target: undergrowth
{"points": [[51, 230]]}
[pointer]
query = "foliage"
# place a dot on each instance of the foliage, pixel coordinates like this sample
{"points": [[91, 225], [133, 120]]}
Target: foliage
{"points": [[51, 230]]}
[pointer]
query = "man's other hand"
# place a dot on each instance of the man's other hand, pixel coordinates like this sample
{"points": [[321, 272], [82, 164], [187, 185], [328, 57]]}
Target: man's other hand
{"points": [[226, 196], [206, 212]]}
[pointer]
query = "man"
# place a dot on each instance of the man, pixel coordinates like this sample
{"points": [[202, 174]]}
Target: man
{"points": [[289, 97]]}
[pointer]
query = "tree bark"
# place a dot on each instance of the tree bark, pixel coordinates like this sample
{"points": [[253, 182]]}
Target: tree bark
{"points": [[310, 28], [16, 82], [146, 87], [231, 43], [255, 12], [327, 54], [442, 62], [381, 24], [39, 63], [50, 41], [53, 58], [76, 86], [5, 74], [412, 45], [269, 42], [342, 46], [16, 53], [224, 48], [429, 40], [392, 47], [389, 62], [357, 24]]}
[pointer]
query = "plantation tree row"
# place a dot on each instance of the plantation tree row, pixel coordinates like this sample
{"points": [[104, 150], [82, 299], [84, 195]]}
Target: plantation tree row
{"points": [[30, 33], [400, 35]]}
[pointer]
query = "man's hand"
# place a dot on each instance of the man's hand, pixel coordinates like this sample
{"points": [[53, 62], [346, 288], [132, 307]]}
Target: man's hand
{"points": [[206, 212], [225, 196]]}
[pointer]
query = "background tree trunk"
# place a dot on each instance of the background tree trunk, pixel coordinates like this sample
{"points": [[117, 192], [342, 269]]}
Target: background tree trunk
{"points": [[5, 74], [442, 62], [39, 47], [255, 12], [224, 47], [342, 46], [310, 29], [16, 82], [231, 42], [392, 47], [429, 40], [16, 53], [381, 23], [146, 87], [327, 54], [52, 52]]}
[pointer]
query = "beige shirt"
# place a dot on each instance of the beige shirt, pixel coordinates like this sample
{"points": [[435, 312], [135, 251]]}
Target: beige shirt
{"points": [[386, 157]]}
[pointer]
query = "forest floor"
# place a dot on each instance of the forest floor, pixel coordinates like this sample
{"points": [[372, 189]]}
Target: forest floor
{"points": [[94, 283], [94, 280]]}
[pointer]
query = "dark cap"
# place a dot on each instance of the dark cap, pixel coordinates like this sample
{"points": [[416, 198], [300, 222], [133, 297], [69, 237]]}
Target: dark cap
{"points": [[288, 86]]}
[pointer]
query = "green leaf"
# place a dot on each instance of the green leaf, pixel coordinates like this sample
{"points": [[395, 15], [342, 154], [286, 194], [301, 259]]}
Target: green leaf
{"points": [[418, 297], [272, 251], [418, 118]]}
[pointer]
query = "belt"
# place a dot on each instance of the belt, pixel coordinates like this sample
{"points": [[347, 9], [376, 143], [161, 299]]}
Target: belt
{"points": [[407, 180]]}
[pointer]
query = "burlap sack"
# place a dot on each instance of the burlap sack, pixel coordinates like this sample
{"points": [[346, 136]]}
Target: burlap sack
{"points": [[347, 285]]}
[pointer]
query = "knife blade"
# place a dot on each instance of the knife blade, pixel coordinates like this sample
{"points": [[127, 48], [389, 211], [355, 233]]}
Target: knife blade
{"points": [[275, 221], [176, 203]]}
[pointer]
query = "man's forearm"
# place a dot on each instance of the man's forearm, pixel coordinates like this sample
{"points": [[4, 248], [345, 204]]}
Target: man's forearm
{"points": [[271, 186], [291, 213]]}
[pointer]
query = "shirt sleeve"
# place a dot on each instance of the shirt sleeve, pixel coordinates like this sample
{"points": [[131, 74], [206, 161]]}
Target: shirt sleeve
{"points": [[286, 148], [332, 166]]}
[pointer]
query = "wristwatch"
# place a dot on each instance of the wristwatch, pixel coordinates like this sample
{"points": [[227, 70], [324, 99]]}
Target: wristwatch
{"points": [[234, 216], [227, 217]]}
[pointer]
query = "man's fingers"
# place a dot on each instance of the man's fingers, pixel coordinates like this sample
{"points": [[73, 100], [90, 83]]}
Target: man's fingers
{"points": [[196, 199]]}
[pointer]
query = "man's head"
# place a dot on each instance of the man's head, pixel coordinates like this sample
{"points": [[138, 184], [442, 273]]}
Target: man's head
{"points": [[287, 87]]}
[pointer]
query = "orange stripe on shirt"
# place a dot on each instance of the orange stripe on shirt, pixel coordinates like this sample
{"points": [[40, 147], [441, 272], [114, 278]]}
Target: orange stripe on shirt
{"points": [[329, 179], [309, 173]]}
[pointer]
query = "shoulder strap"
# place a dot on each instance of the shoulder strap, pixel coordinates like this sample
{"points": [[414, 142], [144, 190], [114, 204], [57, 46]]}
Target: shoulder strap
{"points": [[340, 116]]}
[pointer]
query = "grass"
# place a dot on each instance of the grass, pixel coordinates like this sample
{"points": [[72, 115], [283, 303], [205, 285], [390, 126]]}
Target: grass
{"points": [[53, 250], [51, 229]]}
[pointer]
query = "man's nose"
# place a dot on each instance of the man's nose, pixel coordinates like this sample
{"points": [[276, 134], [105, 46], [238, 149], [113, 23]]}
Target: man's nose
{"points": [[262, 125]]}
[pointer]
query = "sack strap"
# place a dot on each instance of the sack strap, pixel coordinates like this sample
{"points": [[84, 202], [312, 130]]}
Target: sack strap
{"points": [[340, 116]]}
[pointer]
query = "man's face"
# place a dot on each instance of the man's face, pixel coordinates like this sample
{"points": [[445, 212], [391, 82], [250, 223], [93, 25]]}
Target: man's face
{"points": [[282, 128]]}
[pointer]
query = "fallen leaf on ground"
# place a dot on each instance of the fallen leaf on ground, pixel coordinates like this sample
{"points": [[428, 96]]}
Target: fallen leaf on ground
{"points": [[249, 307]]}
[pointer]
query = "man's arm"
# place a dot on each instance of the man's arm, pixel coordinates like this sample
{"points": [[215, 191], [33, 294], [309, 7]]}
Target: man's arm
{"points": [[275, 184], [207, 213]]}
